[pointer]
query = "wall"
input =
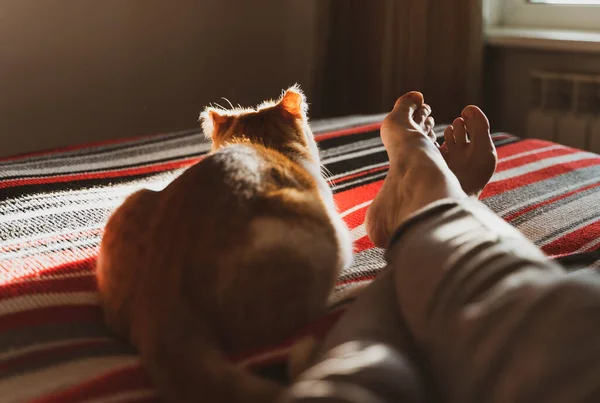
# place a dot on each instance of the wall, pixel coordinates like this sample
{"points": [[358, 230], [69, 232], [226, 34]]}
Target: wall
{"points": [[75, 71], [507, 85]]}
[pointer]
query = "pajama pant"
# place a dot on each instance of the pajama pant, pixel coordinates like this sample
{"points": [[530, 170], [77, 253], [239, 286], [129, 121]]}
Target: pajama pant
{"points": [[467, 310]]}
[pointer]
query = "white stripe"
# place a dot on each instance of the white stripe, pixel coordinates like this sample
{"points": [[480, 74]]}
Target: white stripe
{"points": [[531, 152], [366, 168], [125, 396], [75, 244], [541, 164], [357, 154], [358, 232], [119, 193], [29, 302], [32, 199], [50, 345], [355, 208], [4, 245], [540, 225], [33, 384]]}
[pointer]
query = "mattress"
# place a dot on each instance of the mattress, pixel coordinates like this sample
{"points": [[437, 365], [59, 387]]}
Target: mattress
{"points": [[54, 346]]}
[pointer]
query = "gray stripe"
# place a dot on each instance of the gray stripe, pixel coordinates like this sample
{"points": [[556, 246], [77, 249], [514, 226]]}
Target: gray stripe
{"points": [[511, 201], [366, 263], [563, 231], [554, 205], [140, 155]]}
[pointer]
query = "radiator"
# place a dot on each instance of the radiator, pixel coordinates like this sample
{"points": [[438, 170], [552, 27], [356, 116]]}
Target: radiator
{"points": [[565, 109]]}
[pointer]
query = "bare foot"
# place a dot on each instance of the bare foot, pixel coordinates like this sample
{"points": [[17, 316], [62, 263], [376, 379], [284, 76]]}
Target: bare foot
{"points": [[469, 150], [418, 174]]}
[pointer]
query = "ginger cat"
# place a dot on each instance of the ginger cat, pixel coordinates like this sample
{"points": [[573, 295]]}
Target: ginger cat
{"points": [[238, 252]]}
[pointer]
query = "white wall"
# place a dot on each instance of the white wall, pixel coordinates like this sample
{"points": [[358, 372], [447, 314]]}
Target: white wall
{"points": [[74, 71]]}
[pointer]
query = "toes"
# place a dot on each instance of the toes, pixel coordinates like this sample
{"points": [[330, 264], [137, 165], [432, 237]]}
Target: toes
{"points": [[433, 137], [449, 142], [429, 123], [421, 114], [478, 126], [460, 132]]}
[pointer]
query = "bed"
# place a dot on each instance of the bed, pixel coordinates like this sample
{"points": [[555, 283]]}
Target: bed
{"points": [[53, 205]]}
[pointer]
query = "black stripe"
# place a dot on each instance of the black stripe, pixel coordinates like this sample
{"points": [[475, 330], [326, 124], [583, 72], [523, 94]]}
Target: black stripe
{"points": [[578, 261], [22, 190], [343, 140]]}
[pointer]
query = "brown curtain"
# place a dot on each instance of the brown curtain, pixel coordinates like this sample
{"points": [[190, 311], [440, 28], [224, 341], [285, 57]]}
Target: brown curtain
{"points": [[372, 51]]}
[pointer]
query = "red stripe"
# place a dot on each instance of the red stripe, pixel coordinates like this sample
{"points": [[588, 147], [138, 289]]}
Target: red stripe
{"points": [[51, 315], [347, 132], [527, 209], [508, 150], [528, 159], [116, 381], [363, 244], [529, 178], [356, 218], [359, 174], [359, 279], [52, 352], [573, 241], [167, 166], [347, 199], [72, 284]]}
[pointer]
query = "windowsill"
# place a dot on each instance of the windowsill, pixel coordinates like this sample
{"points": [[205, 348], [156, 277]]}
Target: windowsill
{"points": [[544, 39]]}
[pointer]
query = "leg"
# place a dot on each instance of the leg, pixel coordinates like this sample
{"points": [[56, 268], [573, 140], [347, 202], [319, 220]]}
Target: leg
{"points": [[493, 318]]}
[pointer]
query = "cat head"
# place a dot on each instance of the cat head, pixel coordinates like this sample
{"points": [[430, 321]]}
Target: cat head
{"points": [[281, 125]]}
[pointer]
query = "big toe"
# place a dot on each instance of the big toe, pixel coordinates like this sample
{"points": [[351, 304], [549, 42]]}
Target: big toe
{"points": [[478, 126], [406, 106]]}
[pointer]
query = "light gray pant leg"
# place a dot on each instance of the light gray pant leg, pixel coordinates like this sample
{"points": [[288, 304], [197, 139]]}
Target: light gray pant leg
{"points": [[495, 319]]}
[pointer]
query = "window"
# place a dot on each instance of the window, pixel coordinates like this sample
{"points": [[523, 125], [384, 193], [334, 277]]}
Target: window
{"points": [[558, 14]]}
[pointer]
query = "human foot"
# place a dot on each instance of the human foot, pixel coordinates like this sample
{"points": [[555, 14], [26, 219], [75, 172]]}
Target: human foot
{"points": [[418, 174], [469, 150]]}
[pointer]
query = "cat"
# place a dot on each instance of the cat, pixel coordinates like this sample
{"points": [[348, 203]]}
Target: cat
{"points": [[238, 252]]}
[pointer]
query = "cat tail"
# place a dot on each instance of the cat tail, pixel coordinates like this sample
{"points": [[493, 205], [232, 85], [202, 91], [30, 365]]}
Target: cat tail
{"points": [[187, 365]]}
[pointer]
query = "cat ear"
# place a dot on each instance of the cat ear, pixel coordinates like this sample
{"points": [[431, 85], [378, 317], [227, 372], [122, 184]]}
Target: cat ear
{"points": [[293, 102], [214, 122]]}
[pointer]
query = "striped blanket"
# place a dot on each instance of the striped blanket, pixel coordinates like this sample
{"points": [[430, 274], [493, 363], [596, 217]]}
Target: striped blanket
{"points": [[53, 344]]}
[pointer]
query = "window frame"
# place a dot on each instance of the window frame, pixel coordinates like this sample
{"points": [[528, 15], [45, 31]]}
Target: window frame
{"points": [[523, 14]]}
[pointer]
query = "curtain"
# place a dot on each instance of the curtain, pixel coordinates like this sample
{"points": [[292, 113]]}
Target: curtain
{"points": [[372, 51]]}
